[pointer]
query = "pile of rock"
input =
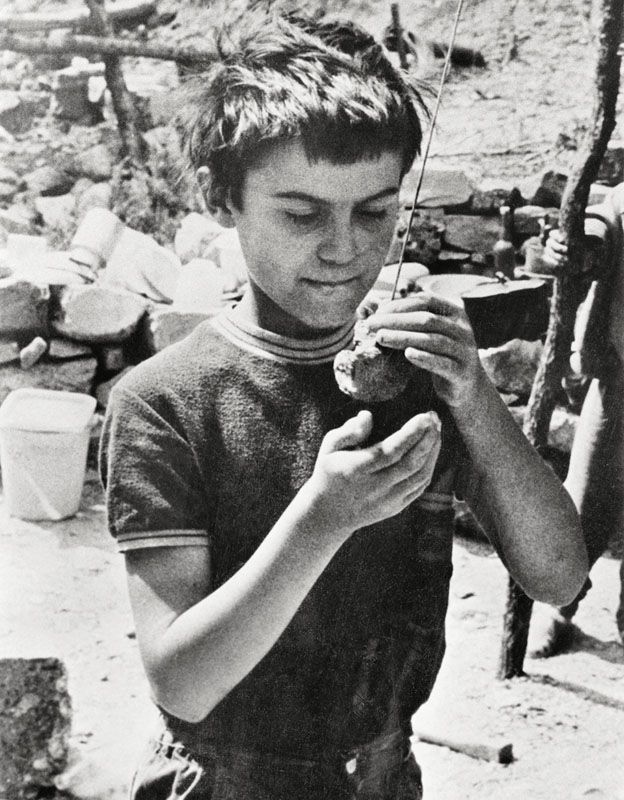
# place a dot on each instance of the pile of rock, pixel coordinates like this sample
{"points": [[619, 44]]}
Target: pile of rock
{"points": [[78, 319], [457, 223]]}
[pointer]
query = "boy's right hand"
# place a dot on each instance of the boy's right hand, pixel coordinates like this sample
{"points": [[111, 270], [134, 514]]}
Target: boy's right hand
{"points": [[353, 486]]}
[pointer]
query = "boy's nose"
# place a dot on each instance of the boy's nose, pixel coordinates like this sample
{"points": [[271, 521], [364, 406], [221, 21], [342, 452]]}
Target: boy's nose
{"points": [[339, 245]]}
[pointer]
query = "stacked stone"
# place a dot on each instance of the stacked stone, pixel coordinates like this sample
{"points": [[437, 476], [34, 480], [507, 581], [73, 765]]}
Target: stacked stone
{"points": [[35, 723], [79, 319]]}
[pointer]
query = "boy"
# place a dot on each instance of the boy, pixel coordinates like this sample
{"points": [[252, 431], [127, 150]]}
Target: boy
{"points": [[595, 478], [288, 576]]}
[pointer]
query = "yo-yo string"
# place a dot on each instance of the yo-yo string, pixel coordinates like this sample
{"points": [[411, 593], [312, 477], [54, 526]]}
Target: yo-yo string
{"points": [[434, 116]]}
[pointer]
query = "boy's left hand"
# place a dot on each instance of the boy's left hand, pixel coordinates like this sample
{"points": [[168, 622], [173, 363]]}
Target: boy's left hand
{"points": [[436, 336]]}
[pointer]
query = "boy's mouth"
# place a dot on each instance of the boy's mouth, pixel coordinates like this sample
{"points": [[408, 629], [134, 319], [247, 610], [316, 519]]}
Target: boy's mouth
{"points": [[329, 286]]}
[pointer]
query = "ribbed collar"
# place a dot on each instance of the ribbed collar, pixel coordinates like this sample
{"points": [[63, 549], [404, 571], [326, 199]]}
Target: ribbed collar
{"points": [[274, 346]]}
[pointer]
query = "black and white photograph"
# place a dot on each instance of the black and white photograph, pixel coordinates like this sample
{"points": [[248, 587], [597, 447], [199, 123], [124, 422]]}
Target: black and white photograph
{"points": [[311, 400]]}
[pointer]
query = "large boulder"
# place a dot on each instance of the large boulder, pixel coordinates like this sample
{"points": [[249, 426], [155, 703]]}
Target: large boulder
{"points": [[7, 191], [9, 351], [16, 219], [56, 211], [202, 286], [96, 314], [225, 251], [512, 366], [48, 181], [16, 113], [98, 195], [10, 184], [166, 325], [8, 175], [126, 258], [470, 233], [66, 350], [194, 236], [551, 189], [68, 376], [95, 162], [35, 719], [441, 188], [23, 308]]}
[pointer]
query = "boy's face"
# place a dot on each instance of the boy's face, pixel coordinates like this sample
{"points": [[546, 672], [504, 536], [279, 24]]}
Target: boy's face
{"points": [[314, 235]]}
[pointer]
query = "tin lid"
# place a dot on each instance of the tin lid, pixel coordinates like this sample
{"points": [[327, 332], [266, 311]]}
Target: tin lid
{"points": [[452, 285], [46, 410]]}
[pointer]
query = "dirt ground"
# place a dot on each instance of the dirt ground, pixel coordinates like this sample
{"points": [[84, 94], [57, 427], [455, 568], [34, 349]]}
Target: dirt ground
{"points": [[62, 593], [62, 589]]}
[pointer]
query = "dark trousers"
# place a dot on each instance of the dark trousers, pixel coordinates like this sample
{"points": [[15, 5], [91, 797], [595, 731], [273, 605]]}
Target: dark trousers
{"points": [[383, 770]]}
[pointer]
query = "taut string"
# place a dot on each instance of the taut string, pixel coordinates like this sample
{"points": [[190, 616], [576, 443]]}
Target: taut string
{"points": [[434, 116]]}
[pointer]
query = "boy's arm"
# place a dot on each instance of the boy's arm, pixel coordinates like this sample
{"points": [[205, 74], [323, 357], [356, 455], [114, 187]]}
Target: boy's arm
{"points": [[520, 502], [198, 645], [518, 498]]}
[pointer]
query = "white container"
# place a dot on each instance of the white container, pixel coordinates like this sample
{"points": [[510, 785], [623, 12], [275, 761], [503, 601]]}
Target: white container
{"points": [[44, 438]]}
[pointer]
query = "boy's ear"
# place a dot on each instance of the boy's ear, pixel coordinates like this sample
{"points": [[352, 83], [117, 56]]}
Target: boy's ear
{"points": [[215, 202]]}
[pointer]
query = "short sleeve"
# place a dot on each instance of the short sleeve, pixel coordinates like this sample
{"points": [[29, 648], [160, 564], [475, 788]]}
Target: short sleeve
{"points": [[155, 493]]}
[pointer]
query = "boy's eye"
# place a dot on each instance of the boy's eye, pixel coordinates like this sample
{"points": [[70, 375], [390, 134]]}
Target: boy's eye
{"points": [[308, 218], [379, 214]]}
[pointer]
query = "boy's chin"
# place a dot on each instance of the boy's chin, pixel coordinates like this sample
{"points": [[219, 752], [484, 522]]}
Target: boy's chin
{"points": [[325, 323]]}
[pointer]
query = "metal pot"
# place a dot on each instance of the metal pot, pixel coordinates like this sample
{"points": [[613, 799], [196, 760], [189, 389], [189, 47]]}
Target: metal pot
{"points": [[502, 310], [498, 309]]}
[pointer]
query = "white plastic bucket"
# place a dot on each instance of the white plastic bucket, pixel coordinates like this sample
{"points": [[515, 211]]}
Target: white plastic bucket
{"points": [[44, 438]]}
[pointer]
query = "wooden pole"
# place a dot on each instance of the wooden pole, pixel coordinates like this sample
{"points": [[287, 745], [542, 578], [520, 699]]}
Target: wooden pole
{"points": [[127, 118], [398, 34], [120, 12], [565, 299], [82, 44], [501, 754]]}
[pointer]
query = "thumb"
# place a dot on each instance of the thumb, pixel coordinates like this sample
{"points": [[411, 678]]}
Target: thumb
{"points": [[354, 432]]}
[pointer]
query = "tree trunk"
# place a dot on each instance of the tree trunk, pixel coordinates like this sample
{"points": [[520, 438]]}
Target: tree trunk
{"points": [[566, 297], [131, 140]]}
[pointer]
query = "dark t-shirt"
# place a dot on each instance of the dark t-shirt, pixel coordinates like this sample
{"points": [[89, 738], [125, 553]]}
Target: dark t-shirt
{"points": [[208, 442]]}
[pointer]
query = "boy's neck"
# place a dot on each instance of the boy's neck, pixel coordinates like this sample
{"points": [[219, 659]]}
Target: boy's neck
{"points": [[256, 307]]}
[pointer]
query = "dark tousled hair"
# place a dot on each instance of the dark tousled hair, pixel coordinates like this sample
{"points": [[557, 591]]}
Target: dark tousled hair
{"points": [[280, 77]]}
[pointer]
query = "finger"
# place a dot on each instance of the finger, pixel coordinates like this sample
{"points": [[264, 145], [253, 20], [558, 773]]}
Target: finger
{"points": [[420, 460], [422, 301], [553, 259], [409, 490], [557, 247], [439, 365], [431, 342], [354, 432], [556, 235], [424, 321], [421, 477], [394, 447], [416, 492]]}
